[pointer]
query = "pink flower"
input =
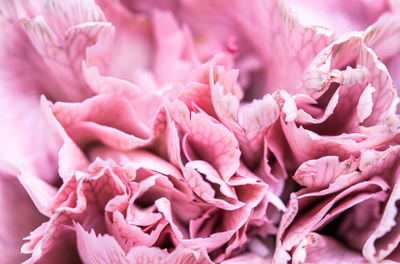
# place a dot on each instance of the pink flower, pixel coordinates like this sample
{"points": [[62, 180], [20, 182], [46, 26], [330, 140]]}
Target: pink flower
{"points": [[176, 131]]}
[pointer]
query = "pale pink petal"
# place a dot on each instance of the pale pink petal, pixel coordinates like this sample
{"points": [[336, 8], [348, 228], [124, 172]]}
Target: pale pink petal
{"points": [[386, 237], [382, 37], [61, 38], [99, 249], [33, 153], [290, 44], [67, 14], [41, 193], [258, 114], [143, 255], [382, 82], [119, 124], [164, 140], [248, 258], [249, 122], [365, 104], [366, 231], [320, 249], [341, 16], [394, 70], [163, 51], [225, 93]]}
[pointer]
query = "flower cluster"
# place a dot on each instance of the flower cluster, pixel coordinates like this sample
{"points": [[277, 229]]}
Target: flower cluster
{"points": [[210, 131]]}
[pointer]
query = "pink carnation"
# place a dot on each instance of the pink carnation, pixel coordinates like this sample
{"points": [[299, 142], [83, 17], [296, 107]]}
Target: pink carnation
{"points": [[199, 131]]}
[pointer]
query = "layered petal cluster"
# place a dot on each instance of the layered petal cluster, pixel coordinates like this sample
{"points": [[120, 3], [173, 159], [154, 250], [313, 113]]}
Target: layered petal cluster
{"points": [[179, 190], [356, 200], [207, 131]]}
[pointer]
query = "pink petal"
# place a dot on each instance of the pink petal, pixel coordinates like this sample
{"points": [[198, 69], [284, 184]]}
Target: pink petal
{"points": [[386, 237], [381, 37], [313, 145], [105, 84], [279, 29], [83, 122], [214, 143], [67, 14], [46, 248], [136, 49], [249, 122], [70, 156], [341, 16], [15, 223], [174, 56], [24, 77], [187, 255], [194, 172], [128, 234], [57, 37], [137, 159], [143, 255], [248, 258], [382, 82], [320, 249], [97, 48], [78, 200], [322, 172]]}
